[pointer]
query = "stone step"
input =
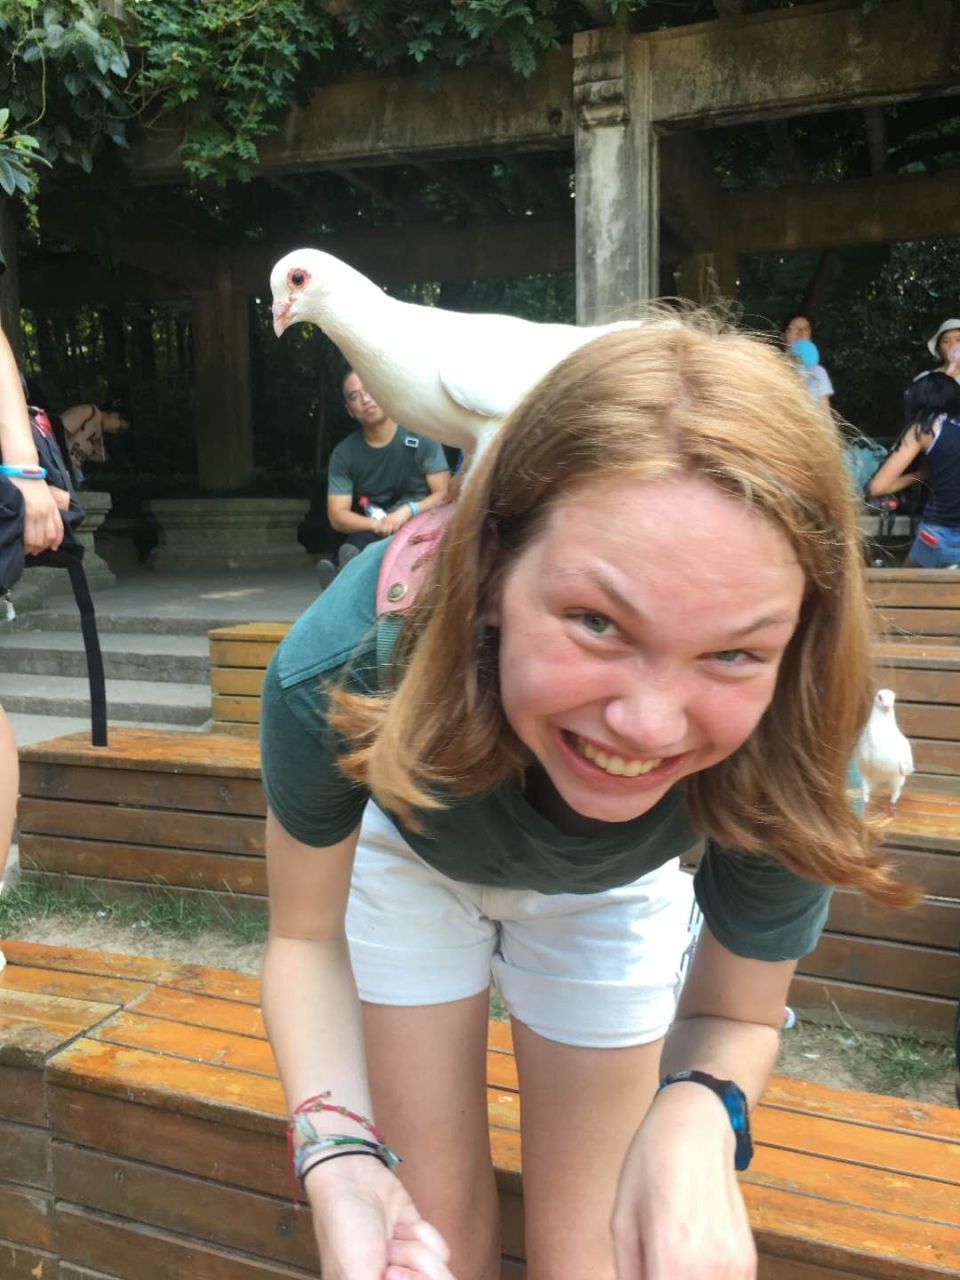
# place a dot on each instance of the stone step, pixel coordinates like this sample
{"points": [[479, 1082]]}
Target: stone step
{"points": [[152, 702], [54, 617], [126, 656]]}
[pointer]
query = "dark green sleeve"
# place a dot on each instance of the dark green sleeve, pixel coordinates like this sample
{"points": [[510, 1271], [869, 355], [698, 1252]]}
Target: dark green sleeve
{"points": [[309, 796], [432, 458], [756, 907]]}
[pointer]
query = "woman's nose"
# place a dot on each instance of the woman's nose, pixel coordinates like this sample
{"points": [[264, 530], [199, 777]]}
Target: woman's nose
{"points": [[650, 719]]}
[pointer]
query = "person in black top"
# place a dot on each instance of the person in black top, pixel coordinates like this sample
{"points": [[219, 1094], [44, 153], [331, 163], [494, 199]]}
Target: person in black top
{"points": [[932, 436]]}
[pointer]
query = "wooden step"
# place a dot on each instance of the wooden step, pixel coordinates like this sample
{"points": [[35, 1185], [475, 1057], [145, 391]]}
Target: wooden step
{"points": [[157, 1127]]}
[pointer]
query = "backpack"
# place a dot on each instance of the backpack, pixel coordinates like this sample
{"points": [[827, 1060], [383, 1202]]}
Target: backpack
{"points": [[69, 556], [863, 458]]}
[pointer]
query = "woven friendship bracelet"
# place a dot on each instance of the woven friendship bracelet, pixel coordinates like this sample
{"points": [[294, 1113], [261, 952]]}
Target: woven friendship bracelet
{"points": [[313, 1143], [300, 1120], [337, 1155]]}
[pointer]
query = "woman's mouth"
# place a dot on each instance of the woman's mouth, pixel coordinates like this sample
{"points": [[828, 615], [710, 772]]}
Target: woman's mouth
{"points": [[616, 765]]}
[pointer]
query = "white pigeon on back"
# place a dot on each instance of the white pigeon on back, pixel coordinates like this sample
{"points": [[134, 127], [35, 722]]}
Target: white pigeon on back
{"points": [[454, 376], [883, 752]]}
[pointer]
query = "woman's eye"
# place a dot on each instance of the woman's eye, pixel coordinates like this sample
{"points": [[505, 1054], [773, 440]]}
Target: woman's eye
{"points": [[597, 624], [730, 656]]}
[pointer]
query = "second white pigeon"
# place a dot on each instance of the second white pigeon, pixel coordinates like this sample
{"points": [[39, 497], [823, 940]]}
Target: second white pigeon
{"points": [[454, 376], [883, 752]]}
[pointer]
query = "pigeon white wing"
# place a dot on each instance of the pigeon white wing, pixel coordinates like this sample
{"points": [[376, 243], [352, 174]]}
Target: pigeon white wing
{"points": [[906, 756], [505, 358]]}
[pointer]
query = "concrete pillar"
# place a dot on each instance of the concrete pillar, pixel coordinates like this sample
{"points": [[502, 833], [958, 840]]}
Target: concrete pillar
{"points": [[221, 384], [617, 216], [10, 281]]}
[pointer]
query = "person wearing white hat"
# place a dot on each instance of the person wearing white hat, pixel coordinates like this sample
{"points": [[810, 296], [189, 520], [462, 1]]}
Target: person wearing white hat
{"points": [[945, 346]]}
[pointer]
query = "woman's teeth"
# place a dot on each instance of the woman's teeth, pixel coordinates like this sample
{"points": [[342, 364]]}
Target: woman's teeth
{"points": [[616, 765]]}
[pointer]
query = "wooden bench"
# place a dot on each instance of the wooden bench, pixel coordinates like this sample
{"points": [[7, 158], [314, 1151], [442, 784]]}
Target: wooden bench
{"points": [[154, 809], [141, 1137], [182, 814], [238, 658], [918, 604]]}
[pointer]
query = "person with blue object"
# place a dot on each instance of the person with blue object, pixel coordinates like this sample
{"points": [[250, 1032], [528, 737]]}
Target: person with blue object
{"points": [[798, 339], [643, 627]]}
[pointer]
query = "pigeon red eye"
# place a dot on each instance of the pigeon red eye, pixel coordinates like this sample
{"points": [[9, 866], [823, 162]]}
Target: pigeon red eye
{"points": [[298, 278]]}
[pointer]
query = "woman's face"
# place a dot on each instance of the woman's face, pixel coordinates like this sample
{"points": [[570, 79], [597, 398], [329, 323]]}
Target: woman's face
{"points": [[640, 639], [799, 327], [949, 346]]}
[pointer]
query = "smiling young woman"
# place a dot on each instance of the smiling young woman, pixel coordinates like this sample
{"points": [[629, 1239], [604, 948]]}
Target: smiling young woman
{"points": [[645, 624]]}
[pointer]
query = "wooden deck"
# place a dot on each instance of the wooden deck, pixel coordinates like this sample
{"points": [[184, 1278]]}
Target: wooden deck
{"points": [[142, 1138]]}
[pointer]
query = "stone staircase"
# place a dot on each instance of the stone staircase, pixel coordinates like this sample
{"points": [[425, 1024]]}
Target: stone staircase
{"points": [[158, 677]]}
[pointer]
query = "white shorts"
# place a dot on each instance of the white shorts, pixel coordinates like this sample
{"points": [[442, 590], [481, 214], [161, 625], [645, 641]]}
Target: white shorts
{"points": [[598, 970]]}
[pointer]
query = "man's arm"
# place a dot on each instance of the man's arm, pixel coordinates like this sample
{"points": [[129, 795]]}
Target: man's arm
{"points": [[344, 520], [439, 483]]}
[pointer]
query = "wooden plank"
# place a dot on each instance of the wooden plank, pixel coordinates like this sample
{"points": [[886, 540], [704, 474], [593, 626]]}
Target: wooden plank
{"points": [[202, 792], [936, 757], [871, 1243], [24, 1155], [926, 655], [911, 685], [935, 873], [18, 1262], [243, 681], [876, 1110], [871, 1008], [922, 622], [22, 1095], [230, 1217], [221, 984], [218, 1150], [91, 988], [931, 923], [873, 962], [103, 964], [197, 1089], [928, 720], [938, 588], [195, 1044], [855, 1184], [165, 751], [63, 1016], [238, 710], [220, 833], [251, 632], [192, 868], [242, 730], [203, 1011], [127, 1251], [242, 652], [26, 1217]]}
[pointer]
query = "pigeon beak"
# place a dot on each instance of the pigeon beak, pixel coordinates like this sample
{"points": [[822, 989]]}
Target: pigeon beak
{"points": [[281, 315]]}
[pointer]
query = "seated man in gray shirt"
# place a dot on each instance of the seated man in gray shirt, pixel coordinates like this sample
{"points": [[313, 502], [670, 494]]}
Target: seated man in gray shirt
{"points": [[384, 468]]}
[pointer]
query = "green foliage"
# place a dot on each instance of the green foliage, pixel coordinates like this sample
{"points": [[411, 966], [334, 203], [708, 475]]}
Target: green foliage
{"points": [[234, 67], [63, 68]]}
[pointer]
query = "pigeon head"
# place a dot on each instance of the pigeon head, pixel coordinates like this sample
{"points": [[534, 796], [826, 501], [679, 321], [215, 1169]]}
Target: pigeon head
{"points": [[290, 283], [884, 700]]}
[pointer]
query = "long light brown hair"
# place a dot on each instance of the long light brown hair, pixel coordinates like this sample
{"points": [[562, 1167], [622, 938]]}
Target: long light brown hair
{"points": [[668, 399]]}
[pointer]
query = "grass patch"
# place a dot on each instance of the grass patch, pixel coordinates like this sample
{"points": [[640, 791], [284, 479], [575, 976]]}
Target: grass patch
{"points": [[163, 913], [903, 1063]]}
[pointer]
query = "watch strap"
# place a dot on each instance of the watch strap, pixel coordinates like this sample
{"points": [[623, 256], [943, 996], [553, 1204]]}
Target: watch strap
{"points": [[735, 1104]]}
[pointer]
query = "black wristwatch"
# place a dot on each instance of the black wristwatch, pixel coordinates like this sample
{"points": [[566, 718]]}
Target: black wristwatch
{"points": [[733, 1098]]}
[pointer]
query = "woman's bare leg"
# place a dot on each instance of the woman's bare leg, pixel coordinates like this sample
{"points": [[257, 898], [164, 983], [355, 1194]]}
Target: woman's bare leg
{"points": [[579, 1110], [427, 1069]]}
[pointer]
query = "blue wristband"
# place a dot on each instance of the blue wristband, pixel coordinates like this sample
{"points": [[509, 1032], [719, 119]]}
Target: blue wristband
{"points": [[735, 1103], [414, 509], [24, 473]]}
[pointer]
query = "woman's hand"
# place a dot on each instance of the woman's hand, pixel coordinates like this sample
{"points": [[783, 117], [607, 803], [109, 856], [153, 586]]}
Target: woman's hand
{"points": [[42, 525], [367, 1226], [679, 1214]]}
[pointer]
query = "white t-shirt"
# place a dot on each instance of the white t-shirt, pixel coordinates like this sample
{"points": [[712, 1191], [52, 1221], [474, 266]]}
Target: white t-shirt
{"points": [[817, 380]]}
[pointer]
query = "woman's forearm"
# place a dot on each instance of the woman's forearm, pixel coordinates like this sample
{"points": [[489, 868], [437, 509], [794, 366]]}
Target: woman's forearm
{"points": [[16, 438], [744, 1052], [313, 1018]]}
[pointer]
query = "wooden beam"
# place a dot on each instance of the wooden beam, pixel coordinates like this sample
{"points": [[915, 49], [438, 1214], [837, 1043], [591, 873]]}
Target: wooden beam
{"points": [[375, 119], [71, 279], [815, 57], [831, 215]]}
